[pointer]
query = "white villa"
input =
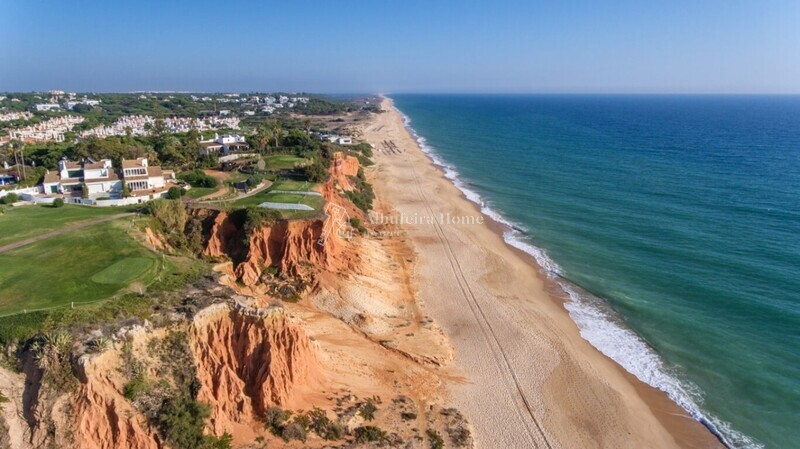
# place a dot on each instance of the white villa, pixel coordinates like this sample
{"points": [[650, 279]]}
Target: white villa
{"points": [[341, 140], [222, 144], [139, 176], [101, 179], [47, 106]]}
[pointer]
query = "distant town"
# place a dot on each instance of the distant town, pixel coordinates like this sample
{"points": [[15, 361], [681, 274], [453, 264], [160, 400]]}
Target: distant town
{"points": [[117, 149]]}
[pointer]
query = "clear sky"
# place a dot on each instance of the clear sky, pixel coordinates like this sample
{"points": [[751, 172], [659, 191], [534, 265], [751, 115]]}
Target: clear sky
{"points": [[388, 46]]}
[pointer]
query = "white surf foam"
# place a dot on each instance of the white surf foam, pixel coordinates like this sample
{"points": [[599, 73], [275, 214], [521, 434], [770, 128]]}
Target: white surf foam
{"points": [[597, 322]]}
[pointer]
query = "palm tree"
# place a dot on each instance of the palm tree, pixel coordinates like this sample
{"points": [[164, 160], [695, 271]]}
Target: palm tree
{"points": [[18, 147], [277, 131]]}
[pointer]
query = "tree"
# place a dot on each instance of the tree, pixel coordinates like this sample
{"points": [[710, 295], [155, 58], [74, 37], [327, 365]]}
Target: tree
{"points": [[316, 171], [58, 202], [276, 132], [126, 192], [175, 193], [84, 191]]}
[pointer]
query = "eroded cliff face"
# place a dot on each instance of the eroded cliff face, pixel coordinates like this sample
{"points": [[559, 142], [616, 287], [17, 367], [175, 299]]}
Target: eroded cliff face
{"points": [[293, 248], [342, 167], [248, 361], [104, 418]]}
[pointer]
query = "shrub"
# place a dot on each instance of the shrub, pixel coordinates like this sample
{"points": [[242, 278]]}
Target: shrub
{"points": [[137, 385], [363, 195], [317, 171], [175, 193], [182, 421], [436, 440], [254, 217], [364, 148], [9, 198], [408, 416], [368, 434], [275, 418], [98, 344], [215, 442], [367, 410], [198, 178], [323, 426], [460, 436], [58, 202], [170, 214], [294, 431], [356, 224], [254, 180]]}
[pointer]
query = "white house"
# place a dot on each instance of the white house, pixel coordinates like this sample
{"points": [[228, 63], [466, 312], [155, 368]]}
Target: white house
{"points": [[222, 144], [140, 176], [46, 106], [101, 179]]}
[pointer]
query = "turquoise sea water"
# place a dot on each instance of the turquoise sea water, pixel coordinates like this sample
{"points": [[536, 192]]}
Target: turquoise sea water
{"points": [[673, 223]]}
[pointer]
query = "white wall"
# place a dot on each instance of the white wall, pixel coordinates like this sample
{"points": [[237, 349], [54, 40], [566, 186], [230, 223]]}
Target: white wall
{"points": [[29, 190]]}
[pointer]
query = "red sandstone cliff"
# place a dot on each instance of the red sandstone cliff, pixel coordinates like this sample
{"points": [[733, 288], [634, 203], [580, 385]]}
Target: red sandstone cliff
{"points": [[343, 166], [104, 418], [247, 362]]}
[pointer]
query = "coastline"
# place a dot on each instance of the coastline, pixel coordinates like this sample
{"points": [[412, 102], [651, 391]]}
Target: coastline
{"points": [[515, 342]]}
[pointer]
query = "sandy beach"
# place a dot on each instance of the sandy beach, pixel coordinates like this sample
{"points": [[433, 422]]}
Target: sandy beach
{"points": [[525, 377]]}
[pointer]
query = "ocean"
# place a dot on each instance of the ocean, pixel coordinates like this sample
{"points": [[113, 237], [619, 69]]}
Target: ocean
{"points": [[671, 222]]}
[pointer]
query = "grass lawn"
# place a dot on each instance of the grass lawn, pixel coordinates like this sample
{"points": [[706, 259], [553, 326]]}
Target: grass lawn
{"points": [[124, 270], [19, 223], [289, 184], [86, 265], [197, 192], [312, 200], [283, 162]]}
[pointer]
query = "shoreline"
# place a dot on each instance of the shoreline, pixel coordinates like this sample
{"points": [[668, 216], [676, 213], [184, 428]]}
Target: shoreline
{"points": [[666, 424]]}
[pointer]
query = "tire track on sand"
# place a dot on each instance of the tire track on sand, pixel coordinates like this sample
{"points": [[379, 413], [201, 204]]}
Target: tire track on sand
{"points": [[525, 411]]}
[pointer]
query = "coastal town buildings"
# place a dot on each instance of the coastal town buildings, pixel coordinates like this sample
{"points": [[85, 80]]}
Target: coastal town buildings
{"points": [[138, 125], [70, 105], [10, 116], [49, 130]]}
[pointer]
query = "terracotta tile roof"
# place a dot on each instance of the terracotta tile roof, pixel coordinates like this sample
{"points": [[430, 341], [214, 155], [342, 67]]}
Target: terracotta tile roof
{"points": [[94, 165], [132, 163], [137, 178], [51, 177], [154, 171]]}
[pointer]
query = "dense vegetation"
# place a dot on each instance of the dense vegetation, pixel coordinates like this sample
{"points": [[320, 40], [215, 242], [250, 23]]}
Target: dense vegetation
{"points": [[363, 195], [198, 178]]}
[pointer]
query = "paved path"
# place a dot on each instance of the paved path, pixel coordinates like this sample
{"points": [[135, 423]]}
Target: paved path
{"points": [[64, 230], [208, 199]]}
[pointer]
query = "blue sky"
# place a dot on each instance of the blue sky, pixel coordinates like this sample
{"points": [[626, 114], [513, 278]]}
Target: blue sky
{"points": [[341, 46]]}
